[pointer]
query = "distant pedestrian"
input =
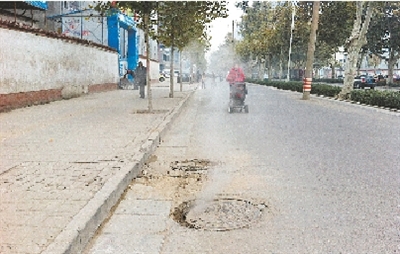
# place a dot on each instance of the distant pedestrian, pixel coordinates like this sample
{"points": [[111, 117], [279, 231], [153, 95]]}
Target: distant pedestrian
{"points": [[203, 81], [213, 79], [140, 78], [198, 76]]}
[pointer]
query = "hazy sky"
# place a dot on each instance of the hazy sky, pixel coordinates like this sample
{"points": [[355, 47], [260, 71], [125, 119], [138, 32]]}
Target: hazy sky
{"points": [[222, 26]]}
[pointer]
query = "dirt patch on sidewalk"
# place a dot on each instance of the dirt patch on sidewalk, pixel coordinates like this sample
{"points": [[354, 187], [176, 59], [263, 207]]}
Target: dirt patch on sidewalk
{"points": [[179, 181]]}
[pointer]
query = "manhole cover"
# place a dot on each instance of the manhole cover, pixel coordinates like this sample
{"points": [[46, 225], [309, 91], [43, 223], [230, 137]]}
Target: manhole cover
{"points": [[218, 215]]}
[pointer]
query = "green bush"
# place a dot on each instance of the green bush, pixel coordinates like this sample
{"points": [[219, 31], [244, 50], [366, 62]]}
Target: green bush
{"points": [[328, 80], [381, 83], [390, 99], [292, 86], [320, 89], [396, 84], [325, 90]]}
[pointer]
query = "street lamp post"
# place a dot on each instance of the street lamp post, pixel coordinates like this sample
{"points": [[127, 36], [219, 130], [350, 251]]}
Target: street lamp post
{"points": [[290, 43]]}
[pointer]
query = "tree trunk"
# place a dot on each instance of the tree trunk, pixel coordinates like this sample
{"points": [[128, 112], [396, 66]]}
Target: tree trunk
{"points": [[148, 84], [310, 51], [260, 70], [281, 65], [355, 42], [350, 71], [171, 76], [360, 60], [269, 67], [191, 69], [392, 61], [180, 70]]}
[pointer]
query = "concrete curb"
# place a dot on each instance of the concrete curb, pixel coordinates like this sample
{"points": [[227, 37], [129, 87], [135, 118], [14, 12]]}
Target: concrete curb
{"points": [[74, 238]]}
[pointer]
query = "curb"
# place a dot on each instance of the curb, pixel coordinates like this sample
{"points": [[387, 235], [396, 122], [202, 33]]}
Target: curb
{"points": [[78, 233]]}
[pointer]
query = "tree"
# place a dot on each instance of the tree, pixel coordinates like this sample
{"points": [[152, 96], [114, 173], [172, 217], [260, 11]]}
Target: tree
{"points": [[383, 36], [195, 53], [335, 23], [310, 51], [221, 60], [334, 26], [146, 13], [266, 31], [167, 23], [254, 29], [178, 28], [355, 43]]}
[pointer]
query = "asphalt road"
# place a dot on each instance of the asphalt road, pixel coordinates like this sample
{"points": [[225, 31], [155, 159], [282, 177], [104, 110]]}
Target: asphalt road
{"points": [[324, 175]]}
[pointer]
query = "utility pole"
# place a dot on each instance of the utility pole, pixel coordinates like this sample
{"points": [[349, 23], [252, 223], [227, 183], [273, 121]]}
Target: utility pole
{"points": [[233, 31], [310, 52], [290, 43], [233, 39]]}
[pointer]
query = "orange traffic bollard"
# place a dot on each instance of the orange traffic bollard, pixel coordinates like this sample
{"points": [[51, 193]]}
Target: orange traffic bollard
{"points": [[307, 84]]}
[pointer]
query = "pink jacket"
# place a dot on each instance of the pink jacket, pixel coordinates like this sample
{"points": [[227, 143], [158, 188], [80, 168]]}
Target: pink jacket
{"points": [[235, 75]]}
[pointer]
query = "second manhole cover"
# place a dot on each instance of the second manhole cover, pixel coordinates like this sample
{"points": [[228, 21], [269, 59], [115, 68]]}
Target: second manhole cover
{"points": [[218, 215]]}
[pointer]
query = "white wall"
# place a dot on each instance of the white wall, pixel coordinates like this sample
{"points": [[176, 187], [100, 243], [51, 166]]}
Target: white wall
{"points": [[29, 62], [154, 68]]}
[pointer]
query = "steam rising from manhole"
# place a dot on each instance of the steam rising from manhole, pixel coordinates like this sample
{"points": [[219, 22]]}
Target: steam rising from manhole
{"points": [[219, 214]]}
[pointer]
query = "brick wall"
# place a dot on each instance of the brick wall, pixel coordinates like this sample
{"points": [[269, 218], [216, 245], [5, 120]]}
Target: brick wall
{"points": [[38, 67]]}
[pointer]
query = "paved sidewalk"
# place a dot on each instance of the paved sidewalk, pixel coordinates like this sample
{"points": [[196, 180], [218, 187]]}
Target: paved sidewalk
{"points": [[63, 165]]}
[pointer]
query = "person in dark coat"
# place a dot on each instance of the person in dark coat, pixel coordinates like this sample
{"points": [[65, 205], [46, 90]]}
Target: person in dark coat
{"points": [[140, 76]]}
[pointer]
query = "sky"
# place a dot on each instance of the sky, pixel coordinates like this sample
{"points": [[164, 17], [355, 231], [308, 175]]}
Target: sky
{"points": [[222, 26]]}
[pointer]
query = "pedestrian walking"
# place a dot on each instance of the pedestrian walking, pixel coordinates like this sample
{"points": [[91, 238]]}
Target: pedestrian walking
{"points": [[140, 78], [203, 81]]}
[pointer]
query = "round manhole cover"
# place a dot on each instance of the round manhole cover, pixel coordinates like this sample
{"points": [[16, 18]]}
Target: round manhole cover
{"points": [[219, 214]]}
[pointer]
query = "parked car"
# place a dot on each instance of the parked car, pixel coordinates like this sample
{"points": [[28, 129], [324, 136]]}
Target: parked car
{"points": [[363, 81], [167, 72], [379, 77], [395, 78], [185, 77], [162, 77]]}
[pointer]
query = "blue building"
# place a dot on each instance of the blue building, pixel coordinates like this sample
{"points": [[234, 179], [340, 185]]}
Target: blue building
{"points": [[123, 36]]}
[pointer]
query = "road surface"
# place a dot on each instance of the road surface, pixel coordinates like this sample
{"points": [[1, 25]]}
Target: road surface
{"points": [[291, 176]]}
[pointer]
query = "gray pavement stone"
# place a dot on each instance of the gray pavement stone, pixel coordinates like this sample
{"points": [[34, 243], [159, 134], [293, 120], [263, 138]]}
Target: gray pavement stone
{"points": [[128, 244], [127, 224], [144, 207], [141, 192], [56, 158]]}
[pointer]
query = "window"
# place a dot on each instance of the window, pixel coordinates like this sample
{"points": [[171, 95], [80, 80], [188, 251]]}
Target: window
{"points": [[70, 6]]}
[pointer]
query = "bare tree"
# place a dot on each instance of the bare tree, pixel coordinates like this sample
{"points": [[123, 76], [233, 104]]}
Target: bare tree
{"points": [[354, 44]]}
